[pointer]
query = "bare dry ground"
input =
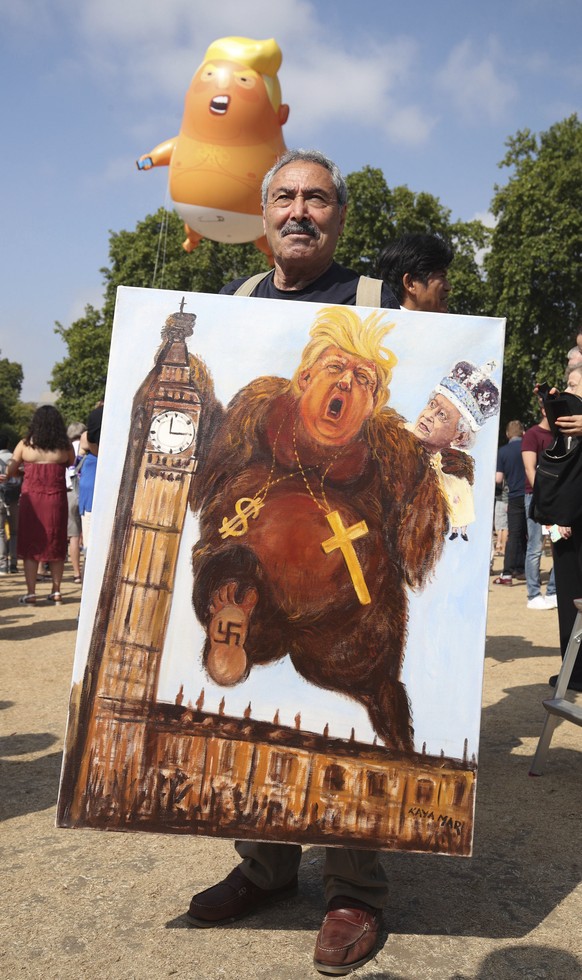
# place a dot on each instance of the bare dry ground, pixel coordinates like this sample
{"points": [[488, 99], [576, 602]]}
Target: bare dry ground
{"points": [[83, 904]]}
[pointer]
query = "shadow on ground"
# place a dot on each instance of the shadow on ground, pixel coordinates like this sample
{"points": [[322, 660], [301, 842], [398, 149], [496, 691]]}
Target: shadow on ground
{"points": [[38, 629], [31, 785], [516, 877]]}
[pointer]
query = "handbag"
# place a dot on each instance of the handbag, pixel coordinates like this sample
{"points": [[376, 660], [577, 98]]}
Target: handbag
{"points": [[557, 489]]}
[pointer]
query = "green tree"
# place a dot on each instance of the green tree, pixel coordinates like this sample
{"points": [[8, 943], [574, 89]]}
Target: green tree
{"points": [[151, 256], [12, 420], [533, 268], [80, 377], [377, 214]]}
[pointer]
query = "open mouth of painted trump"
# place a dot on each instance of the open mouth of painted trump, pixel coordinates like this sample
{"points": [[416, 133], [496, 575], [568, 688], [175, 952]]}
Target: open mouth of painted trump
{"points": [[334, 409], [337, 396]]}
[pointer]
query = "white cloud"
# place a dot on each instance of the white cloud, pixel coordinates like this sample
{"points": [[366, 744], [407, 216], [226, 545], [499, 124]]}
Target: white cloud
{"points": [[473, 81], [327, 86], [149, 51], [88, 295], [195, 23], [409, 125], [486, 218]]}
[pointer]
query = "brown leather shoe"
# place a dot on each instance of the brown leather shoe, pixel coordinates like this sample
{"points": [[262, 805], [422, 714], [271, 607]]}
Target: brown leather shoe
{"points": [[348, 936], [232, 899]]}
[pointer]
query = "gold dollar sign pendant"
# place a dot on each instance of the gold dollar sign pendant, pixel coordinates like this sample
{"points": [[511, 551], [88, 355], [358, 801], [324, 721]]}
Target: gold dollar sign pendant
{"points": [[246, 508]]}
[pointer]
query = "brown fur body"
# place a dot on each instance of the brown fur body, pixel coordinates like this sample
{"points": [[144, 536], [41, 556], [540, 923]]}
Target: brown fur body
{"points": [[307, 605]]}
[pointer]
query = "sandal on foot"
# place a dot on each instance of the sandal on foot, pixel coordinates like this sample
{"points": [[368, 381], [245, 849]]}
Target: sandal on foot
{"points": [[27, 600], [55, 597], [77, 580]]}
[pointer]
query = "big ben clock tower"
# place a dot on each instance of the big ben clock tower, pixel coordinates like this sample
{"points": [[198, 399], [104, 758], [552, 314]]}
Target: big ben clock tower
{"points": [[172, 413]]}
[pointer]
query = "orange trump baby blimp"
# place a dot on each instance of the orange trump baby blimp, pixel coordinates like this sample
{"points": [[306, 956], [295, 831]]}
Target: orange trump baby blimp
{"points": [[231, 134]]}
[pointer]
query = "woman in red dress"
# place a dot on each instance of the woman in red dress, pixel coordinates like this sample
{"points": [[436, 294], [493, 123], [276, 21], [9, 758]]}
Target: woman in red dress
{"points": [[44, 456]]}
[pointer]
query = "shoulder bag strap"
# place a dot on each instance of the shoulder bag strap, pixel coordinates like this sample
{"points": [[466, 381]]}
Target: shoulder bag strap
{"points": [[247, 288], [369, 291]]}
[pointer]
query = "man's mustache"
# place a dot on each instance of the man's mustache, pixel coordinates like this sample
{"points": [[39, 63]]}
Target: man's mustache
{"points": [[304, 227]]}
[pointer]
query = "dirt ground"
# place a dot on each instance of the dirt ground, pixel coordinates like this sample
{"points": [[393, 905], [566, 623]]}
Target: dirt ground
{"points": [[84, 904]]}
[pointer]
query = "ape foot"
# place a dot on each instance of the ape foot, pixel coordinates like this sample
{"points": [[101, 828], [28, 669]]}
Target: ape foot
{"points": [[226, 660], [389, 711]]}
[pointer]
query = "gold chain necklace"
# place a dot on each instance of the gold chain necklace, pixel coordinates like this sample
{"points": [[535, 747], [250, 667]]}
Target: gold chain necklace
{"points": [[342, 538], [326, 509], [248, 508]]}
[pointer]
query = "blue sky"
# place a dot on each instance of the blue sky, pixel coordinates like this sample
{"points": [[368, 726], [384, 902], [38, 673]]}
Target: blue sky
{"points": [[428, 92]]}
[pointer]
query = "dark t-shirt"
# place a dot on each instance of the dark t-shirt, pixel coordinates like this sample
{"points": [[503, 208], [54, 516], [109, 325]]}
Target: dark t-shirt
{"points": [[338, 286], [510, 463], [535, 440], [94, 424]]}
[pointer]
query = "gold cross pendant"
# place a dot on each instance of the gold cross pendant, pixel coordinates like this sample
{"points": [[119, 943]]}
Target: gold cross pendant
{"points": [[342, 539]]}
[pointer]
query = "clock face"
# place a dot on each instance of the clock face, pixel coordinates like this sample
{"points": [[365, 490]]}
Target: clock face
{"points": [[172, 432]]}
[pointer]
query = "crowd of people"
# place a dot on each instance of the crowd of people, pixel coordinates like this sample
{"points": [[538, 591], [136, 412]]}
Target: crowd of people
{"points": [[523, 542], [46, 490], [304, 208]]}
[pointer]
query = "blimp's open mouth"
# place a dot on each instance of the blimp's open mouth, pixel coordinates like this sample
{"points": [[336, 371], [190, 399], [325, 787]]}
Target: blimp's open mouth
{"points": [[219, 104]]}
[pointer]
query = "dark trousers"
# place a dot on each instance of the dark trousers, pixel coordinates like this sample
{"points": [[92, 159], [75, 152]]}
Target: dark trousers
{"points": [[568, 575], [514, 561]]}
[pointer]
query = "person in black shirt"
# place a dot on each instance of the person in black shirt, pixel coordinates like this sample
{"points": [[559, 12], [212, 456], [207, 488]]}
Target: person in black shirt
{"points": [[510, 467], [304, 211]]}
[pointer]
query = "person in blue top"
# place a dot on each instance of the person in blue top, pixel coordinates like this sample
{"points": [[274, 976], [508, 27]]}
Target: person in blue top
{"points": [[511, 469], [89, 445]]}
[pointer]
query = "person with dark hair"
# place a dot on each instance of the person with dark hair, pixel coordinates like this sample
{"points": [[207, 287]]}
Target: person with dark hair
{"points": [[9, 508], [416, 269], [89, 449], [43, 456], [74, 431], [567, 553], [535, 439], [304, 210], [510, 469]]}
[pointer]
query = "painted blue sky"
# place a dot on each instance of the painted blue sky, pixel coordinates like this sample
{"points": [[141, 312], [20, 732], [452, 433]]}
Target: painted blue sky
{"points": [[427, 92]]}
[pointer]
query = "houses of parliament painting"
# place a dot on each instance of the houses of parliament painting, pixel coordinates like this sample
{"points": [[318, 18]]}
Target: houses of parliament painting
{"points": [[283, 618]]}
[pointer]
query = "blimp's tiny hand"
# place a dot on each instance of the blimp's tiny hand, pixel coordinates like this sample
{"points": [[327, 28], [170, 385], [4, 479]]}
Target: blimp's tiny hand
{"points": [[144, 163]]}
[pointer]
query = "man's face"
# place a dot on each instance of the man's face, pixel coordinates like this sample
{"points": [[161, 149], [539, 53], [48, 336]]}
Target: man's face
{"points": [[432, 298], [574, 380], [337, 396], [436, 426], [302, 217]]}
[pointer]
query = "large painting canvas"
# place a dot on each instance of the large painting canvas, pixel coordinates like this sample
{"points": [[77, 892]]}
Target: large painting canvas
{"points": [[283, 618]]}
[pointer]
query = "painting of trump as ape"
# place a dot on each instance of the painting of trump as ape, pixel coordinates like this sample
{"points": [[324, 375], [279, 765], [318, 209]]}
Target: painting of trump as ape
{"points": [[318, 510], [278, 639]]}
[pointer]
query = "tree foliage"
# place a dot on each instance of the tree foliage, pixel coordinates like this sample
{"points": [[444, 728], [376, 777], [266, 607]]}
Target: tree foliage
{"points": [[533, 268], [377, 214], [80, 377], [12, 417], [151, 256]]}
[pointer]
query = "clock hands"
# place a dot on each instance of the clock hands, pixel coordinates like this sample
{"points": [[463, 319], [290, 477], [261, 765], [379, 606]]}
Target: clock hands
{"points": [[176, 432]]}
